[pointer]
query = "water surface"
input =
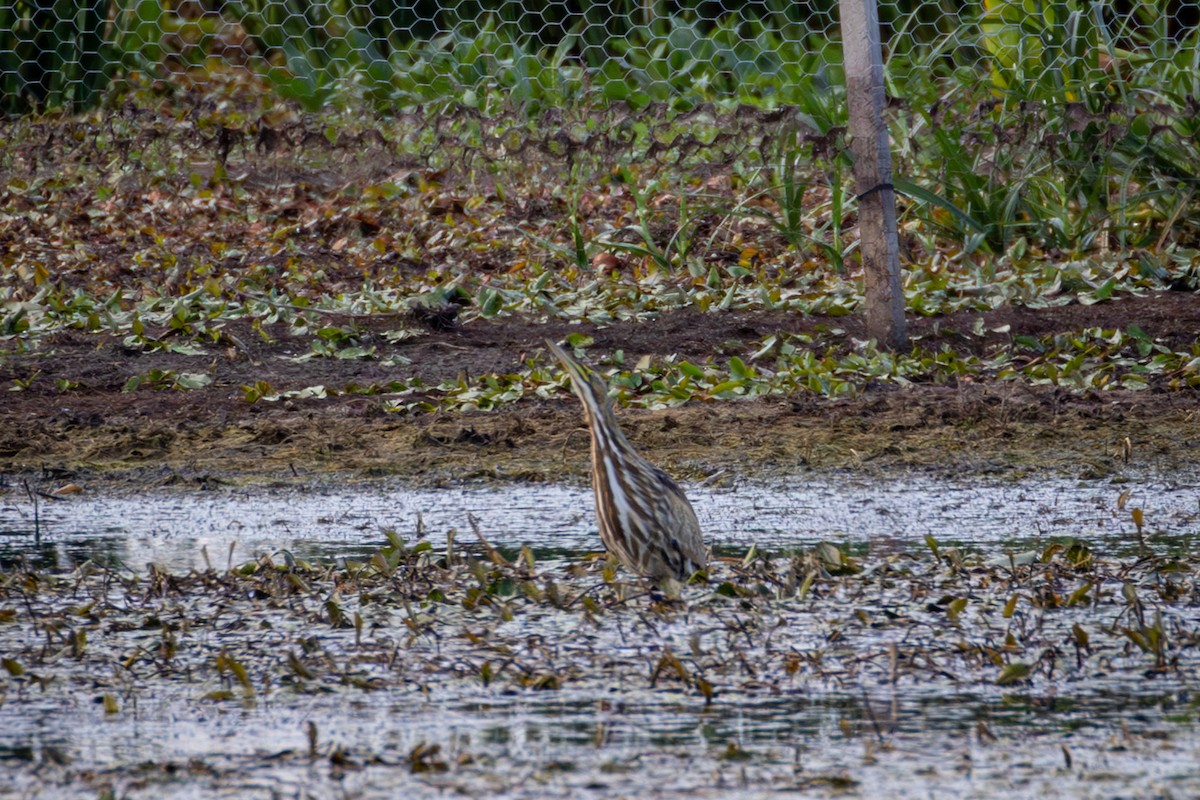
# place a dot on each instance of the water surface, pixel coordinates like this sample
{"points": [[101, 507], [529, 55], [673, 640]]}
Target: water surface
{"points": [[174, 528], [1103, 726]]}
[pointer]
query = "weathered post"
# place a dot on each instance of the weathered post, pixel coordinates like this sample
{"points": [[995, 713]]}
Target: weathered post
{"points": [[871, 147]]}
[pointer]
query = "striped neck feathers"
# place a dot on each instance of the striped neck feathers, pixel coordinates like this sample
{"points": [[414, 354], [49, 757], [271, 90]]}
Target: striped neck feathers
{"points": [[597, 410]]}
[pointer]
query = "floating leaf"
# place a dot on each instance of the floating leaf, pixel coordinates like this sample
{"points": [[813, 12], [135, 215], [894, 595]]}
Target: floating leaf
{"points": [[1014, 673], [1080, 636]]}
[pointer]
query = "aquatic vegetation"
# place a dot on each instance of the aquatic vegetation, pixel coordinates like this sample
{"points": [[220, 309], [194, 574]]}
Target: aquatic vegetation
{"points": [[1044, 635]]}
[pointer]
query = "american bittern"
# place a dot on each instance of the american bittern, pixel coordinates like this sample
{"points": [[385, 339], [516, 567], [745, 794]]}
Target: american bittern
{"points": [[644, 517]]}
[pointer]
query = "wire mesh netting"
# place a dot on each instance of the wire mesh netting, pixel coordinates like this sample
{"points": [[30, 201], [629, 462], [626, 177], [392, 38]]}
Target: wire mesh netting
{"points": [[481, 54], [1021, 130]]}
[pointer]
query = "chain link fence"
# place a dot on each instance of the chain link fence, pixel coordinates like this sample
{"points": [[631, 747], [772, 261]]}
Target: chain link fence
{"points": [[1049, 127], [486, 54]]}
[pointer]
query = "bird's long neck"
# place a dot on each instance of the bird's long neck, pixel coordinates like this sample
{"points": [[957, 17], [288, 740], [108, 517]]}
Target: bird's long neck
{"points": [[606, 434], [618, 502], [603, 425]]}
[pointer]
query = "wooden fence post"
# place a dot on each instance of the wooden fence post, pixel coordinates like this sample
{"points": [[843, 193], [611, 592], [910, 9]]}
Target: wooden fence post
{"points": [[863, 56]]}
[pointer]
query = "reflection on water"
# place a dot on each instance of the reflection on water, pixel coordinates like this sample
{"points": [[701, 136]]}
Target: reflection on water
{"points": [[908, 747], [177, 529], [1097, 733]]}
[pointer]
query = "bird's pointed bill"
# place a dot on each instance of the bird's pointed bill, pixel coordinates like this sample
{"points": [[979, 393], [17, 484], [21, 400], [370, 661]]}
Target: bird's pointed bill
{"points": [[580, 380]]}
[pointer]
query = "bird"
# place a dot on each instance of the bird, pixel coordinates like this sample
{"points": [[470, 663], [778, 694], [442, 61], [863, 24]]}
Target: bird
{"points": [[645, 519]]}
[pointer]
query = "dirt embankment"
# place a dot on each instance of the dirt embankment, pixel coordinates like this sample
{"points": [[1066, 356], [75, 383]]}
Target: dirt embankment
{"points": [[72, 415]]}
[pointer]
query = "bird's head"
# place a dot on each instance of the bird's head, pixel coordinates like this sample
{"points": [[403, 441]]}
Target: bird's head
{"points": [[589, 386]]}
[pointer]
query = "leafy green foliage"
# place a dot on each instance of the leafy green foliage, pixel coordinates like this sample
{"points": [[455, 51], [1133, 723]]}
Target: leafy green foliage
{"points": [[1009, 202], [52, 55]]}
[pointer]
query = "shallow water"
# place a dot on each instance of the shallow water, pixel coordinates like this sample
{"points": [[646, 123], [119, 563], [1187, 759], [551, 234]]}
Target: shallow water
{"points": [[174, 528], [543, 747], [1107, 729]]}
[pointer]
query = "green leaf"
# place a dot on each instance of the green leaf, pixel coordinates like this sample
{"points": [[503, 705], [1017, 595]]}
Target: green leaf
{"points": [[767, 345], [1014, 673], [714, 279], [738, 369], [1101, 294], [907, 187], [956, 607], [490, 303], [1137, 333], [192, 380], [350, 353], [1029, 342], [726, 386], [932, 544]]}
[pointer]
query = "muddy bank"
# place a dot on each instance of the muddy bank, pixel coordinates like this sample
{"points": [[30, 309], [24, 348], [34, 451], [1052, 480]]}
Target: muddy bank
{"points": [[69, 406], [168, 437]]}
